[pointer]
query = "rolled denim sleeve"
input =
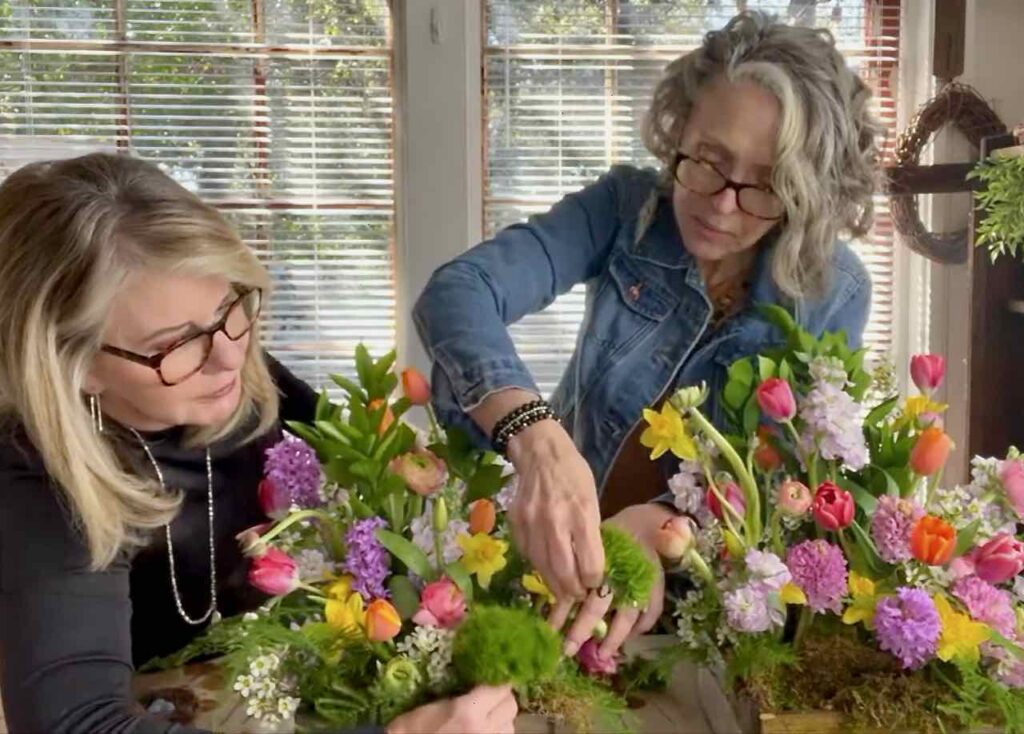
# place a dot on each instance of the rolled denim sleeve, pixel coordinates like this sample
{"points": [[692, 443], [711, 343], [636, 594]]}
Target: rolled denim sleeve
{"points": [[463, 313]]}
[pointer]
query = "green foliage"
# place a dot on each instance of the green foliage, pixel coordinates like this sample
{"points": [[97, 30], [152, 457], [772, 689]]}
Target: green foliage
{"points": [[571, 697], [629, 571], [1001, 228], [982, 700], [755, 655], [498, 645]]}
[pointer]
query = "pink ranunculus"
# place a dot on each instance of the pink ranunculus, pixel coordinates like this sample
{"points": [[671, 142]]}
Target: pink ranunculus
{"points": [[442, 604], [593, 662], [274, 573], [927, 371], [421, 470], [274, 501], [1012, 477], [794, 498], [733, 495], [998, 560], [775, 398], [832, 507]]}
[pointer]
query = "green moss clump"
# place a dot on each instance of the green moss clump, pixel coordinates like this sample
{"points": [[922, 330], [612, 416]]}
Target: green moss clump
{"points": [[629, 571], [497, 645]]}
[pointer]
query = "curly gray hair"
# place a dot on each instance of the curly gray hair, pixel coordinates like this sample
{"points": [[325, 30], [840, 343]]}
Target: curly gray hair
{"points": [[826, 153]]}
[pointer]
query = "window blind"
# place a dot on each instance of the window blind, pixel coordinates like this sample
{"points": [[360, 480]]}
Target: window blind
{"points": [[279, 112], [566, 86]]}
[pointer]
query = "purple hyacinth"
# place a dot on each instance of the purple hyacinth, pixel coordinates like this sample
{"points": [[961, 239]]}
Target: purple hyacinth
{"points": [[292, 466], [987, 604], [366, 559], [819, 569], [908, 626], [891, 524]]}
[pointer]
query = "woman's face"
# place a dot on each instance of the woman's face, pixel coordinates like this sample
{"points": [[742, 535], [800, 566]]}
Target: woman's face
{"points": [[733, 127], [150, 313]]}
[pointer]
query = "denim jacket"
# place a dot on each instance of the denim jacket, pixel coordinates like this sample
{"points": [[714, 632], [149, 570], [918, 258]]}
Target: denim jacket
{"points": [[646, 324]]}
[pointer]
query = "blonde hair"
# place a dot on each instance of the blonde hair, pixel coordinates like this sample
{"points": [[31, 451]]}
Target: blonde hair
{"points": [[71, 231], [826, 151]]}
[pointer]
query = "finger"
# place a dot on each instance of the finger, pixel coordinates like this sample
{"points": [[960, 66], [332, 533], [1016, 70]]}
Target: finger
{"points": [[593, 610], [619, 630], [502, 718], [650, 617], [488, 698], [589, 550], [562, 563], [560, 613]]}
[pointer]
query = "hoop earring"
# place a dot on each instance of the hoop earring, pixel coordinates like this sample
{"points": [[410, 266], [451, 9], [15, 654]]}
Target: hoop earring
{"points": [[96, 413]]}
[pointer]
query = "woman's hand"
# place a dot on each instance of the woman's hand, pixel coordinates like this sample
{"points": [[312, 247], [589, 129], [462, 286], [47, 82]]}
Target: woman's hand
{"points": [[642, 522], [483, 710], [556, 521]]}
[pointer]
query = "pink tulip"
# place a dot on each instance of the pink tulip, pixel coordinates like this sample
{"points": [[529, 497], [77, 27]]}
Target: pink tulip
{"points": [[1012, 477], [274, 501], [592, 661], [274, 573], [775, 398], [674, 538], [999, 560], [794, 498], [441, 605], [832, 507], [927, 371], [733, 495], [423, 472]]}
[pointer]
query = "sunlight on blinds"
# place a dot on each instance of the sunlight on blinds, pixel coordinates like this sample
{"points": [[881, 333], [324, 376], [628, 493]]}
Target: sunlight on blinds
{"points": [[566, 87]]}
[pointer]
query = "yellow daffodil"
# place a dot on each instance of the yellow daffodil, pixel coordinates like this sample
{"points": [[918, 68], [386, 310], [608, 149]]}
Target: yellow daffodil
{"points": [[346, 615], [533, 583], [340, 589], [792, 594], [915, 407], [961, 635], [482, 555], [862, 608], [666, 431]]}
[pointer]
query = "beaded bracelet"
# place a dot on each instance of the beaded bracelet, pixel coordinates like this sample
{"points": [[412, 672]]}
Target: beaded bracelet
{"points": [[517, 420]]}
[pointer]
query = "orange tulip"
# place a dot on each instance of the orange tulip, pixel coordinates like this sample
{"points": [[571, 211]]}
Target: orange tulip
{"points": [[482, 517], [930, 452], [766, 456], [932, 540], [415, 386], [386, 420], [382, 621]]}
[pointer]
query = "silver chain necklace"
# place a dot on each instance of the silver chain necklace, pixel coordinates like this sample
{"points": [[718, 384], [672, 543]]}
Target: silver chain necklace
{"points": [[212, 614]]}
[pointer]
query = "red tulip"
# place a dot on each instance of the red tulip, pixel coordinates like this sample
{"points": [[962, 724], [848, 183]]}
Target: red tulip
{"points": [[832, 507], [775, 398], [415, 386], [927, 371], [931, 451], [999, 560], [274, 501], [733, 495], [274, 573]]}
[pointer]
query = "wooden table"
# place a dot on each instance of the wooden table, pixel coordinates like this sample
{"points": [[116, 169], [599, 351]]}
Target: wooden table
{"points": [[692, 703]]}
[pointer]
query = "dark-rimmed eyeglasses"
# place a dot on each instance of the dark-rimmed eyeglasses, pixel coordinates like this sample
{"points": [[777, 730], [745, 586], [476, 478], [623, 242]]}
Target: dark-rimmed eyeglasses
{"points": [[188, 355], [701, 177]]}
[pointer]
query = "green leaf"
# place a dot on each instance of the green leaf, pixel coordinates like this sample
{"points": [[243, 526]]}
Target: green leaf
{"points": [[360, 508], [384, 364], [876, 566], [785, 371], [404, 550], [484, 483], [306, 433], [404, 596], [742, 371], [864, 499], [365, 469], [881, 412], [350, 387], [778, 317], [965, 538], [364, 368], [766, 368], [736, 394], [323, 407], [329, 429], [458, 573], [751, 416]]}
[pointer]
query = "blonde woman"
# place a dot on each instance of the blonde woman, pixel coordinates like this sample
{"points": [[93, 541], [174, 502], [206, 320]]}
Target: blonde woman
{"points": [[768, 158], [136, 403]]}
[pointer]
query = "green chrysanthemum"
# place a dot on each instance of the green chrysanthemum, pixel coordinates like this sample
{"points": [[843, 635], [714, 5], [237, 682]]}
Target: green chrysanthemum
{"points": [[629, 571], [497, 645]]}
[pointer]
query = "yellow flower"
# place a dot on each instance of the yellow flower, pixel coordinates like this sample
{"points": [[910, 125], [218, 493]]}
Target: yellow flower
{"points": [[340, 589], [961, 635], [347, 615], [533, 583], [792, 594], [862, 608], [482, 555], [915, 407], [666, 431]]}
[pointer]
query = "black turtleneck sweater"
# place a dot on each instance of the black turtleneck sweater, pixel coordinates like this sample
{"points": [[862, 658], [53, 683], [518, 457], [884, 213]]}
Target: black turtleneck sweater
{"points": [[70, 637]]}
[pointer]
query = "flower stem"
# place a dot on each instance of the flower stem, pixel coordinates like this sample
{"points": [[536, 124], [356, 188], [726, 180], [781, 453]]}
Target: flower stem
{"points": [[291, 520], [435, 427], [776, 534], [801, 626], [697, 563], [728, 511]]}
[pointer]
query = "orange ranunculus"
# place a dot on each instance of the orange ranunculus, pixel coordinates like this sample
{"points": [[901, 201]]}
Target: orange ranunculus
{"points": [[482, 517], [930, 452], [387, 419], [382, 621], [415, 386], [932, 540]]}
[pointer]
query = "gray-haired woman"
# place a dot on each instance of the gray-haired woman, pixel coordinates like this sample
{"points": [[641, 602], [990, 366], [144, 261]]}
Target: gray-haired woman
{"points": [[768, 156]]}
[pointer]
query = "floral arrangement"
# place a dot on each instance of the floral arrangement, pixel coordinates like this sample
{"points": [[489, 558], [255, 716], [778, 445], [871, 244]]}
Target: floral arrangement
{"points": [[392, 577], [828, 564]]}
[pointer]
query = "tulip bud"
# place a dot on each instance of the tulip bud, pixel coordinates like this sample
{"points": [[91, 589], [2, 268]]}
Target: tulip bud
{"points": [[674, 538], [689, 397], [927, 371], [415, 386], [382, 621], [775, 398], [440, 519]]}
